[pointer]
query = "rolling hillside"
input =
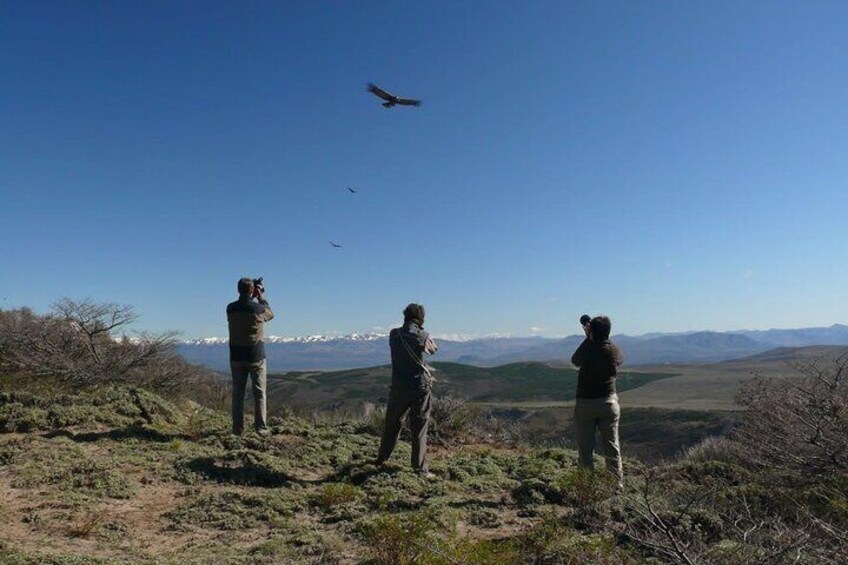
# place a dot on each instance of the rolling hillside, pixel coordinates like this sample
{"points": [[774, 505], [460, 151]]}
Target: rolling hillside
{"points": [[714, 386], [507, 384]]}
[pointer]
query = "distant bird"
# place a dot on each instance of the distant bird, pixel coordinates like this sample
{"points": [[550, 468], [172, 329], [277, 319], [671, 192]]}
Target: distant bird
{"points": [[352, 191], [391, 99], [334, 244]]}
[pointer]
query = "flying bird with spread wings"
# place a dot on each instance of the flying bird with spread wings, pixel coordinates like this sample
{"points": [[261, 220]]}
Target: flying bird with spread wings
{"points": [[391, 99], [352, 191], [334, 244]]}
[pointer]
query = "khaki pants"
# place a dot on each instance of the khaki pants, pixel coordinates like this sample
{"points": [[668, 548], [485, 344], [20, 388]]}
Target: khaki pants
{"points": [[603, 414], [256, 372], [416, 401]]}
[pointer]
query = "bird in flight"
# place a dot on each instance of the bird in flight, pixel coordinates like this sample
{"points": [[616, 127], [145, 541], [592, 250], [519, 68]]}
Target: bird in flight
{"points": [[334, 244], [391, 99], [352, 191]]}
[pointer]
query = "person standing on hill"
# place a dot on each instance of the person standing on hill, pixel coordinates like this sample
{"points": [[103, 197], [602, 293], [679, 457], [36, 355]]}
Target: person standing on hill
{"points": [[410, 390], [246, 319], [596, 404]]}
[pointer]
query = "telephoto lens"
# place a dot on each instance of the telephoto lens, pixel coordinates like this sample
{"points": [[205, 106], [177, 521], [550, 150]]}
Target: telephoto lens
{"points": [[585, 319]]}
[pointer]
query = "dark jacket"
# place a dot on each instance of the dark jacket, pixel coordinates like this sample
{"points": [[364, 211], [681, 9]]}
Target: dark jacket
{"points": [[407, 344], [598, 362], [246, 320]]}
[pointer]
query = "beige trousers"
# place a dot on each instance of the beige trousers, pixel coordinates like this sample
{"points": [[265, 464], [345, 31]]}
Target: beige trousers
{"points": [[602, 414], [256, 372]]}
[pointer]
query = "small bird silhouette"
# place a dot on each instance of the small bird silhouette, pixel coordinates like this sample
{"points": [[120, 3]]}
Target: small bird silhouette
{"points": [[352, 191], [334, 244], [391, 99]]}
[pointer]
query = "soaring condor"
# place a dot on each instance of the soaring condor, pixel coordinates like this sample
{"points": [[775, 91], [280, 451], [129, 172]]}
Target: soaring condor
{"points": [[391, 99]]}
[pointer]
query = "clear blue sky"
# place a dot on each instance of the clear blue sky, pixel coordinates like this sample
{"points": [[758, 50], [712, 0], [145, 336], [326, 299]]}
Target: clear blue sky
{"points": [[676, 165]]}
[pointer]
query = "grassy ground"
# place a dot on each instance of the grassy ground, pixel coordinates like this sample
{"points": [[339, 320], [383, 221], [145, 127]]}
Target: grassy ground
{"points": [[126, 477], [122, 476]]}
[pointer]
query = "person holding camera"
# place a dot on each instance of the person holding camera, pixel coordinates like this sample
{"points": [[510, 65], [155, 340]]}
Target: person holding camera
{"points": [[411, 388], [596, 405], [246, 319]]}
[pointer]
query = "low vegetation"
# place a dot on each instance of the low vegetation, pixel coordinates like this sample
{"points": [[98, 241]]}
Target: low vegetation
{"points": [[106, 471], [122, 475], [508, 384]]}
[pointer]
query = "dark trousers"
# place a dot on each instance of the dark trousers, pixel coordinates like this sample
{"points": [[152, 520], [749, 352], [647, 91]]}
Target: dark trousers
{"points": [[415, 401]]}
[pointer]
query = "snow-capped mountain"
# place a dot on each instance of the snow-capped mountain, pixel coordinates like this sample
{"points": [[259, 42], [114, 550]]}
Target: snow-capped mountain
{"points": [[322, 352], [298, 339]]}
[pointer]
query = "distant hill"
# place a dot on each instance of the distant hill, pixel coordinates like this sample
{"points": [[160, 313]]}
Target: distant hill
{"points": [[837, 334], [714, 386], [367, 350], [513, 383]]}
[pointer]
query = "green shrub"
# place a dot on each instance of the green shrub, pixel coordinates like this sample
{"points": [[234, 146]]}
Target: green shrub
{"points": [[334, 494], [235, 510], [586, 489], [552, 541], [400, 540]]}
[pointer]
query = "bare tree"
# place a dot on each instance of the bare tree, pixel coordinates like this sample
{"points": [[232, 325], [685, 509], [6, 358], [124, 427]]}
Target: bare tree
{"points": [[800, 423], [86, 344], [96, 322]]}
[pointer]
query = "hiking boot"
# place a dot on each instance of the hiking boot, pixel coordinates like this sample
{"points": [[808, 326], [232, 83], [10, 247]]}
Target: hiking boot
{"points": [[427, 475]]}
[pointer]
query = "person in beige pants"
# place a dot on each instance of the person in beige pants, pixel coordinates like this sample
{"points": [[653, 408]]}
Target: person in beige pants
{"points": [[246, 319], [596, 405]]}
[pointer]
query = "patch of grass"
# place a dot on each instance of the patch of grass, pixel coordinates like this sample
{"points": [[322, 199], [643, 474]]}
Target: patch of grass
{"points": [[334, 494], [399, 540], [586, 489], [236, 510], [86, 524], [483, 472], [539, 475], [110, 406], [552, 541], [69, 468], [241, 467]]}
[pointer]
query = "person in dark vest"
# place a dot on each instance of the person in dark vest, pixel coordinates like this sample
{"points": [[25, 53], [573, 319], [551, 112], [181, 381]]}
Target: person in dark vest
{"points": [[411, 388], [246, 319], [596, 405]]}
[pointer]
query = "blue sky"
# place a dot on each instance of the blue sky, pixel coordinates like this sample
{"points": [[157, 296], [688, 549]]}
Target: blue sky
{"points": [[676, 165]]}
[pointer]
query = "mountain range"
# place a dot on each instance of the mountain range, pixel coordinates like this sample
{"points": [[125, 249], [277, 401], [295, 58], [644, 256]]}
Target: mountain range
{"points": [[369, 349]]}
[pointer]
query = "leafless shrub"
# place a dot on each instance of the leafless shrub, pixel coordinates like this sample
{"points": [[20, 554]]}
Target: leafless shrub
{"points": [[800, 424], [694, 525], [83, 344], [453, 420]]}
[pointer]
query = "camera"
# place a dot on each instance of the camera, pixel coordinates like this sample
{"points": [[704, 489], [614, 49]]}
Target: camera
{"points": [[258, 285], [585, 319]]}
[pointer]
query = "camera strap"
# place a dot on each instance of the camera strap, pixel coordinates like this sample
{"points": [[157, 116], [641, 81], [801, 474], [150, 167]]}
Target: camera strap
{"points": [[413, 356]]}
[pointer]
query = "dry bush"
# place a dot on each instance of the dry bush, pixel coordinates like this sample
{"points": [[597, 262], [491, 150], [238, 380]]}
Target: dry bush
{"points": [[800, 424], [83, 345], [454, 420], [718, 448], [689, 524]]}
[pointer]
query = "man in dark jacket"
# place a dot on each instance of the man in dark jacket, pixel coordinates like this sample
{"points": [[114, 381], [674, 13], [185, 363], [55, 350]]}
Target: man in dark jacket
{"points": [[246, 320], [410, 391], [596, 405]]}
